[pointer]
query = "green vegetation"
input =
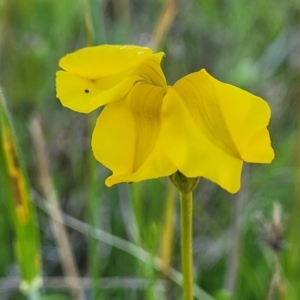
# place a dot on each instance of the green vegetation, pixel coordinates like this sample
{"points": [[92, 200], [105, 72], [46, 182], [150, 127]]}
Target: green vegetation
{"points": [[246, 246]]}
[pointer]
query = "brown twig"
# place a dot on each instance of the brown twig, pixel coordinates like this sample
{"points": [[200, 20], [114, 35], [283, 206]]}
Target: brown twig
{"points": [[164, 22], [59, 230]]}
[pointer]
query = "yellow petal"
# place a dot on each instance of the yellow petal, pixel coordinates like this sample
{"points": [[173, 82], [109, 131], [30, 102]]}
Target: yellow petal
{"points": [[191, 150], [126, 134], [246, 117], [257, 150], [229, 116], [83, 95], [157, 165], [75, 92], [150, 70], [103, 61]]}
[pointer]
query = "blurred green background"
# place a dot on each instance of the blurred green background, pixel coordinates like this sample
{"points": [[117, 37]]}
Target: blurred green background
{"points": [[242, 249]]}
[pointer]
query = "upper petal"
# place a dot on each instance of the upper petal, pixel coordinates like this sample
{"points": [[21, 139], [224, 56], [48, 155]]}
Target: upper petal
{"points": [[126, 135], [103, 61], [85, 95]]}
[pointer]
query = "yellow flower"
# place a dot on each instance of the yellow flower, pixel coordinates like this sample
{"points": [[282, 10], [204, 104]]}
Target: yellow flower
{"points": [[96, 76], [199, 126]]}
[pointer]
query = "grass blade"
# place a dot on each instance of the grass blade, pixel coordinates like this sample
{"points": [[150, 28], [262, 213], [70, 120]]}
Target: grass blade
{"points": [[15, 188]]}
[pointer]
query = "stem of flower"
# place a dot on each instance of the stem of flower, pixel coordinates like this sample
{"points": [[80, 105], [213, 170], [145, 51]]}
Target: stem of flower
{"points": [[186, 201]]}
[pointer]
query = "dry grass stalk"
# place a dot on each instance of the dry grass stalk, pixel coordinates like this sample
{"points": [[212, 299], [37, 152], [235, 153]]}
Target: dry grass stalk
{"points": [[60, 232]]}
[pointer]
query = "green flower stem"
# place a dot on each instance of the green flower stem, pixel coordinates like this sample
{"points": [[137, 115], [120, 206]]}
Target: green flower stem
{"points": [[186, 201]]}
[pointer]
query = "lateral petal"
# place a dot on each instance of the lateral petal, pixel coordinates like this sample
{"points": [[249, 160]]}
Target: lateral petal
{"points": [[191, 150], [156, 165], [126, 135], [232, 118], [246, 117]]}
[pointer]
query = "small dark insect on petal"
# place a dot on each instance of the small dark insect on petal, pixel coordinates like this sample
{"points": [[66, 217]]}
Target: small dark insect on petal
{"points": [[86, 91]]}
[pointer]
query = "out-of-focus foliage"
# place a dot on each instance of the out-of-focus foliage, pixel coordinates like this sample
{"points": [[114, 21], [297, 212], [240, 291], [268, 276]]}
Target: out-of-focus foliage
{"points": [[252, 44]]}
